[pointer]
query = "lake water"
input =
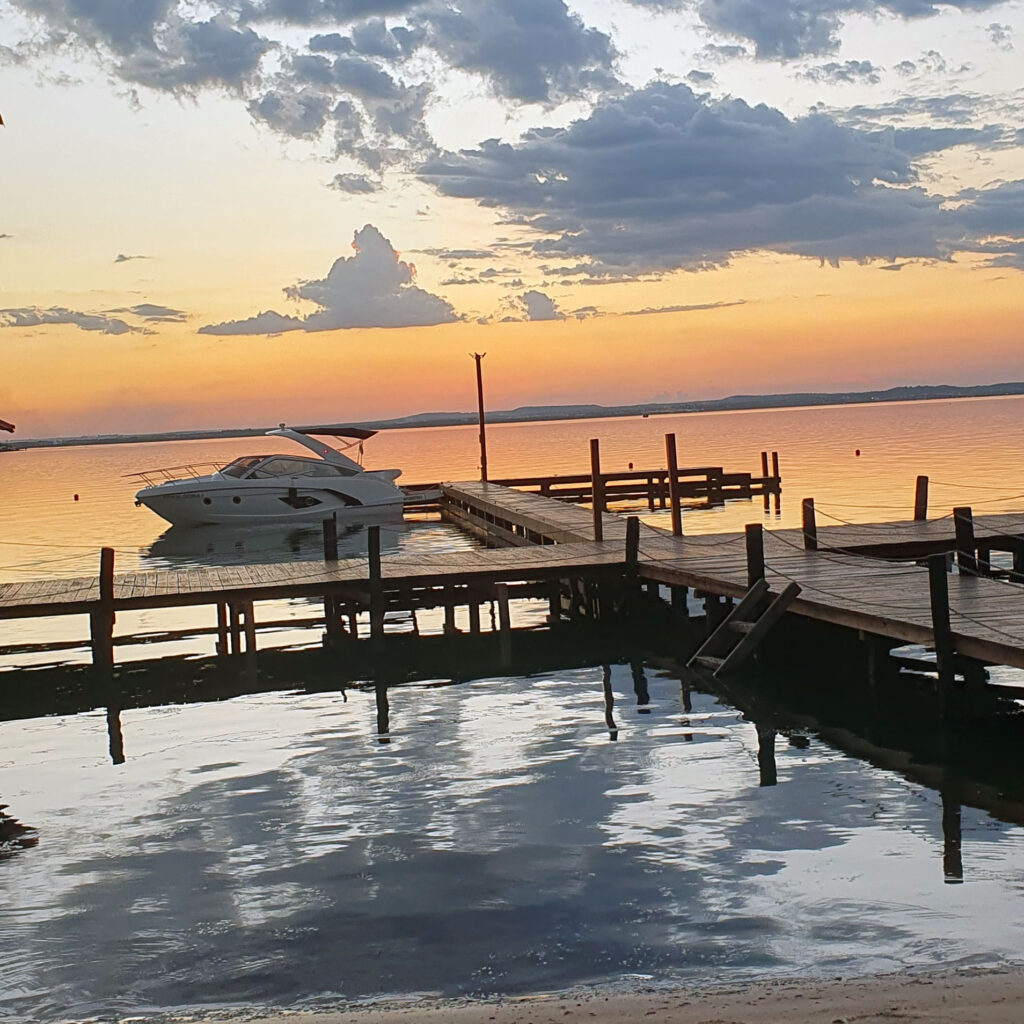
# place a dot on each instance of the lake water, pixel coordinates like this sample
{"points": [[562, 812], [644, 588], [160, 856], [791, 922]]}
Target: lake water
{"points": [[270, 850]]}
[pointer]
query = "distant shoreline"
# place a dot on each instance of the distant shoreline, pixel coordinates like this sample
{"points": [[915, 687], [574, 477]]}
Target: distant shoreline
{"points": [[541, 413]]}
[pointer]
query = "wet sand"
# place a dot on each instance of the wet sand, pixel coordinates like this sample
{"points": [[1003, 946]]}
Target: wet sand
{"points": [[970, 997]]}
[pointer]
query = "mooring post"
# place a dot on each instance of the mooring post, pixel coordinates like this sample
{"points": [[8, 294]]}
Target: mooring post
{"points": [[778, 482], [632, 556], [554, 602], [376, 595], [504, 622], [597, 488], [249, 625], [938, 590], [332, 621], [765, 490], [101, 621], [449, 612], [222, 629], [921, 499], [331, 538], [810, 525], [474, 613], [966, 550], [480, 413], [1017, 573], [673, 485], [233, 628], [755, 553]]}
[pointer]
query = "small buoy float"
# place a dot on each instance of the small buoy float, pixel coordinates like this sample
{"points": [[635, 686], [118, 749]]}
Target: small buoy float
{"points": [[76, 497], [857, 453]]}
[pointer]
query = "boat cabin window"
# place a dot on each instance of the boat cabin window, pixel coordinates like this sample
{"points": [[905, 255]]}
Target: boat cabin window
{"points": [[284, 467], [241, 466]]}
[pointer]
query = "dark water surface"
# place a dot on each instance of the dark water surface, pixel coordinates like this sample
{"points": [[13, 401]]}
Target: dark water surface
{"points": [[270, 850]]}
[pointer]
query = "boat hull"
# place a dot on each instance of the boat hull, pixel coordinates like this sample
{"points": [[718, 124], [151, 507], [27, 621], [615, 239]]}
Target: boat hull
{"points": [[217, 502]]}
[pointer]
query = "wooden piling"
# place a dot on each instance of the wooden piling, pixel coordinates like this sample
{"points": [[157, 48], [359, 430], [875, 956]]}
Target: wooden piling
{"points": [[376, 595], [777, 483], [597, 490], [474, 614], [331, 538], [673, 485], [966, 549], [222, 629], [249, 627], [504, 621], [755, 553], [765, 489], [938, 591], [810, 525], [101, 621], [921, 499], [449, 612]]}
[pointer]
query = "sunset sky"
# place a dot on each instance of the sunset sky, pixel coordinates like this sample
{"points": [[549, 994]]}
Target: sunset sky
{"points": [[219, 212]]}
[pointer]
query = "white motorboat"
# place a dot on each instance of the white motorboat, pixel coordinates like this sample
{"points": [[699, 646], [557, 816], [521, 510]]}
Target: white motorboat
{"points": [[276, 488]]}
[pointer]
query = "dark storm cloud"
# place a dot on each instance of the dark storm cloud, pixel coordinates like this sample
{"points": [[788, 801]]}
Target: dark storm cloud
{"points": [[664, 179], [373, 288]]}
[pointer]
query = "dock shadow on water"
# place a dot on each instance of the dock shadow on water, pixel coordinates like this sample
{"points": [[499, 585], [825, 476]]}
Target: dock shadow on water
{"points": [[603, 820]]}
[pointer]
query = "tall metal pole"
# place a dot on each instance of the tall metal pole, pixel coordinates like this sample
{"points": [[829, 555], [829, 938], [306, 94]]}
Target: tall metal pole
{"points": [[480, 412]]}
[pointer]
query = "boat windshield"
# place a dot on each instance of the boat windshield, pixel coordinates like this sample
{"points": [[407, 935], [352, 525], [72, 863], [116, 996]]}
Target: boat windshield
{"points": [[241, 466], [288, 466]]}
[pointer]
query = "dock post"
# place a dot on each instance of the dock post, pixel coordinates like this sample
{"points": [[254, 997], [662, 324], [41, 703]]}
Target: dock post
{"points": [[755, 553], [480, 414], [679, 600], [921, 499], [234, 629], [966, 551], [101, 621], [1017, 573], [650, 493], [673, 485], [249, 626], [474, 613], [332, 621], [449, 612], [504, 622], [554, 602], [938, 589], [810, 525], [222, 629], [376, 597], [632, 556], [764, 481], [778, 482], [596, 488]]}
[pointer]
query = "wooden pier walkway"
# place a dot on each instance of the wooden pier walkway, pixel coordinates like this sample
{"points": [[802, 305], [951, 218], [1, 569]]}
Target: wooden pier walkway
{"points": [[548, 540]]}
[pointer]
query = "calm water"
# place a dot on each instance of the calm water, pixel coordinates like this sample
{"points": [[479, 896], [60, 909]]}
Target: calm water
{"points": [[970, 448], [268, 850]]}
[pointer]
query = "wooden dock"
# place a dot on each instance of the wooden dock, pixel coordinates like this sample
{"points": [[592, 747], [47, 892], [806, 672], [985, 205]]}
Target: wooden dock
{"points": [[548, 547]]}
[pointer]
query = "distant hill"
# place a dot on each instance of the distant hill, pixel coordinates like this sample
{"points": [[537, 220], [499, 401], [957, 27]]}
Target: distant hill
{"points": [[535, 413]]}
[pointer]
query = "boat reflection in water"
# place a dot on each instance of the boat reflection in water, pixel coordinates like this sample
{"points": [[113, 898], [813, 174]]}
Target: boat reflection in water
{"points": [[233, 545]]}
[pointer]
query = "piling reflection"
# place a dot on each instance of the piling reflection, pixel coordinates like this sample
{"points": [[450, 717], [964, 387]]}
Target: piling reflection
{"points": [[115, 738], [13, 835], [383, 713], [609, 702], [643, 696]]}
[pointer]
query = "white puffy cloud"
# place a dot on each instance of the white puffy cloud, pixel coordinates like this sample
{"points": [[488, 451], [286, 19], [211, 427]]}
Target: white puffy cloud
{"points": [[373, 288], [540, 306], [662, 179]]}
